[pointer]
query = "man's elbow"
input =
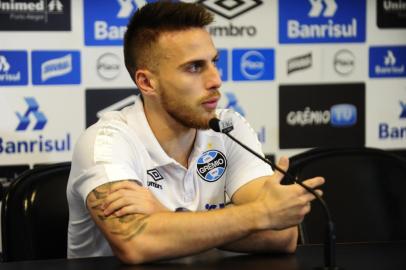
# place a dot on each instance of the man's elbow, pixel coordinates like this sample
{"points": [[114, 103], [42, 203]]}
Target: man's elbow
{"points": [[130, 256], [290, 240]]}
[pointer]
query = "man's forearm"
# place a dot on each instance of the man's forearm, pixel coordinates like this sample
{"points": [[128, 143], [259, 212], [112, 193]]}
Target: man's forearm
{"points": [[168, 235], [266, 241]]}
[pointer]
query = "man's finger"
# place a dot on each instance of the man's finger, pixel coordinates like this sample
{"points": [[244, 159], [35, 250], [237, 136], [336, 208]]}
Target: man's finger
{"points": [[314, 182], [128, 184], [283, 163]]}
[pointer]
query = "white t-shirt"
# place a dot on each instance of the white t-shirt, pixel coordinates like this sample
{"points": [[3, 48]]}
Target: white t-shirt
{"points": [[121, 146]]}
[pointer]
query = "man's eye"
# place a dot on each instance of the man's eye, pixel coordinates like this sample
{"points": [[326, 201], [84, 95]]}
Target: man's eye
{"points": [[194, 68]]}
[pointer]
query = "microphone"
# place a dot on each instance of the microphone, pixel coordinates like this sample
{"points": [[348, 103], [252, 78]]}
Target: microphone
{"points": [[330, 238]]}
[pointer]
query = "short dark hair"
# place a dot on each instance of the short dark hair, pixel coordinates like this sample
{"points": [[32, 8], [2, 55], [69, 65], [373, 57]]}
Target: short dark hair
{"points": [[151, 20]]}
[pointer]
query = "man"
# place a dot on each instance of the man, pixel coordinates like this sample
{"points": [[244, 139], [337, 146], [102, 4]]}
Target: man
{"points": [[143, 178]]}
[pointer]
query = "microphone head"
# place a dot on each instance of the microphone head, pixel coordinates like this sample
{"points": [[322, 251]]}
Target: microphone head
{"points": [[223, 126], [214, 124]]}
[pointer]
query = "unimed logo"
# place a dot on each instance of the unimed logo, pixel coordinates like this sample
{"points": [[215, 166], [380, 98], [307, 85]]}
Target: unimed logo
{"points": [[106, 21], [391, 13], [13, 68], [55, 67], [321, 21], [35, 15], [387, 61], [253, 64]]}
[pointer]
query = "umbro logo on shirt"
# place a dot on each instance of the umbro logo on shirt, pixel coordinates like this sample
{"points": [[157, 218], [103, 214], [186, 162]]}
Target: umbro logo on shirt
{"points": [[156, 175]]}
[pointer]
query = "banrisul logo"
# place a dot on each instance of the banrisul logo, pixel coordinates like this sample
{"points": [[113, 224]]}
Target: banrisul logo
{"points": [[253, 64], [233, 103], [394, 132], [55, 67], [211, 165], [321, 21], [106, 21], [387, 61], [13, 68], [32, 122], [32, 110]]}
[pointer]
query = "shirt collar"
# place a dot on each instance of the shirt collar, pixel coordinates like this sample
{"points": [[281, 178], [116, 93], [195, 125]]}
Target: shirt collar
{"points": [[138, 122]]}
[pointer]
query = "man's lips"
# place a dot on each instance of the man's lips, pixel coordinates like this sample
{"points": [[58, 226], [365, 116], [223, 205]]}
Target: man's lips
{"points": [[211, 103]]}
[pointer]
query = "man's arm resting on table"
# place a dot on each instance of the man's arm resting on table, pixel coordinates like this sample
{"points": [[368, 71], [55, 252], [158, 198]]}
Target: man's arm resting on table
{"points": [[265, 240], [137, 238], [289, 200]]}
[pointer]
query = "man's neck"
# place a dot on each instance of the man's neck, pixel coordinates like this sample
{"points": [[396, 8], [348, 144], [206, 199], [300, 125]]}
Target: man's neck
{"points": [[175, 139]]}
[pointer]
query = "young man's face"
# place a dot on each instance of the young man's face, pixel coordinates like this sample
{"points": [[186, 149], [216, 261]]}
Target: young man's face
{"points": [[188, 79]]}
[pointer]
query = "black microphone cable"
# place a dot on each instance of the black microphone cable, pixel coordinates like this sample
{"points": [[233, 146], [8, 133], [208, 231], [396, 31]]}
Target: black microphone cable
{"points": [[330, 237]]}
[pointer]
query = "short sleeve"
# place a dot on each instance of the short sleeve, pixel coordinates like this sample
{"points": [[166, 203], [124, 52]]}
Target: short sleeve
{"points": [[105, 153], [243, 166]]}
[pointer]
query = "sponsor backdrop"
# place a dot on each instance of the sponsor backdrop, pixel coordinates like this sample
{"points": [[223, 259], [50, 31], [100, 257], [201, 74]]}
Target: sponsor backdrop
{"points": [[305, 73]]}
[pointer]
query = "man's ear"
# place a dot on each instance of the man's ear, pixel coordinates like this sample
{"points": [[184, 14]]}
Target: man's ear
{"points": [[145, 81]]}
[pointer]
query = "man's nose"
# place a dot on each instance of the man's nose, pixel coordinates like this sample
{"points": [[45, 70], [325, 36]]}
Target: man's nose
{"points": [[213, 78]]}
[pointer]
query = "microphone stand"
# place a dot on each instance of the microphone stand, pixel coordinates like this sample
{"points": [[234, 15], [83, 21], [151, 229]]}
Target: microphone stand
{"points": [[330, 234]]}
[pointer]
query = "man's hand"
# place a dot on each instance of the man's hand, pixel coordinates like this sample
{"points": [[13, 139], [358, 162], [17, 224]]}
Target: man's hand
{"points": [[127, 197], [285, 205]]}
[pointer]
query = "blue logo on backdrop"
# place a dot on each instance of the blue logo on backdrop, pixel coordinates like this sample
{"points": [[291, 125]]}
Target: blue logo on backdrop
{"points": [[232, 103], [253, 64], [33, 109], [30, 143], [222, 64], [343, 115], [13, 68], [394, 132], [321, 21], [403, 112], [211, 165], [55, 67], [387, 62], [106, 21]]}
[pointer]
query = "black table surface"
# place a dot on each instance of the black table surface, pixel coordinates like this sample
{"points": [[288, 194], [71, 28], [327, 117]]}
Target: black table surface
{"points": [[349, 256]]}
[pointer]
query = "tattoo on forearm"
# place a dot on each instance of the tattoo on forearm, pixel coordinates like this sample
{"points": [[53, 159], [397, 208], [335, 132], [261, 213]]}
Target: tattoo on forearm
{"points": [[134, 225]]}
